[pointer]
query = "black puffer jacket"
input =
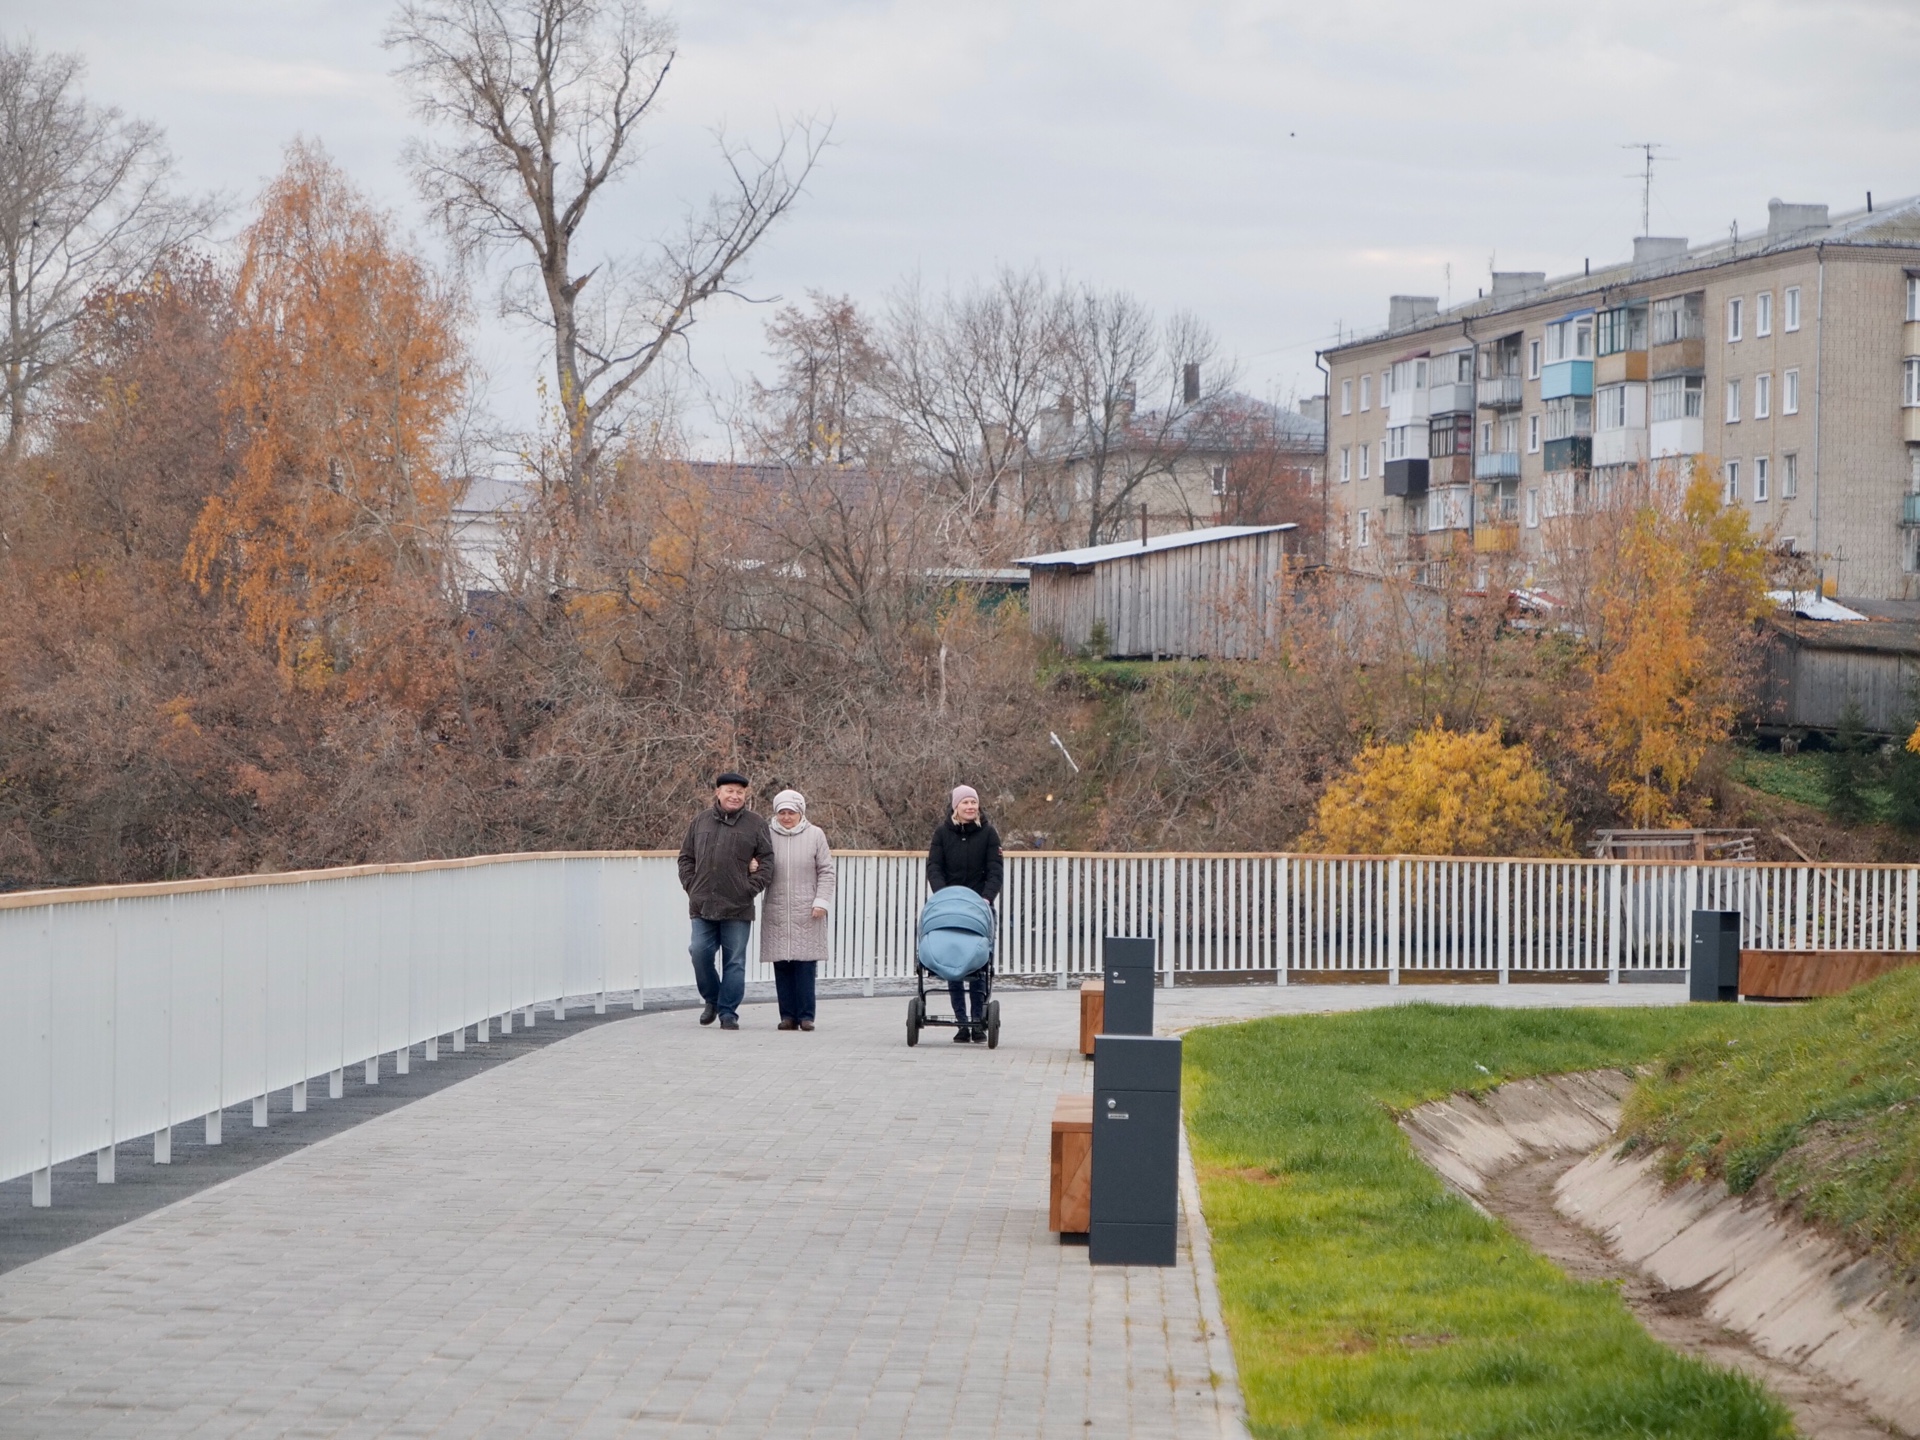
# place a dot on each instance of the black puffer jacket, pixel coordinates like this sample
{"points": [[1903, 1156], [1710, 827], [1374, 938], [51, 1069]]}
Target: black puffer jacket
{"points": [[716, 863], [966, 855]]}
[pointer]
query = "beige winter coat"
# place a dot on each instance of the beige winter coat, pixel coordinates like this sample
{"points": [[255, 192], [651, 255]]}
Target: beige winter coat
{"points": [[803, 877]]}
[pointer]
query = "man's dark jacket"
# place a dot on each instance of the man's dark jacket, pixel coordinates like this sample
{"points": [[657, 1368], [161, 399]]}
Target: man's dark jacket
{"points": [[966, 855], [714, 861]]}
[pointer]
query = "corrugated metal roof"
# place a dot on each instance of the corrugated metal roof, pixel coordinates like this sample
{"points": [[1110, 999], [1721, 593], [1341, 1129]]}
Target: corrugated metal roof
{"points": [[1094, 554]]}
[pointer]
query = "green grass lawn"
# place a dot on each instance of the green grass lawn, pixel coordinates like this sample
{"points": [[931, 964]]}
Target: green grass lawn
{"points": [[1822, 1109], [1364, 1299], [1801, 778]]}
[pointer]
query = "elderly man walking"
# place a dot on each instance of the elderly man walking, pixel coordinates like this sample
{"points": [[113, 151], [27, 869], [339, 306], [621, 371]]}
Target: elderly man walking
{"points": [[726, 860]]}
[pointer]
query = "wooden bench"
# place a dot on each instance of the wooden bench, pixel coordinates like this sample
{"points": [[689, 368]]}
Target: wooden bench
{"points": [[1803, 974], [1070, 1194], [1093, 1013]]}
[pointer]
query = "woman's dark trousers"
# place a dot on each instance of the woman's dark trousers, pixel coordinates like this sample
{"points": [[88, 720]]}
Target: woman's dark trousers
{"points": [[958, 990], [793, 982]]}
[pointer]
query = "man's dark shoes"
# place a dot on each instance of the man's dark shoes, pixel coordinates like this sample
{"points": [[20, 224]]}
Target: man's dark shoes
{"points": [[729, 1022], [787, 1022], [708, 1015], [979, 1034], [963, 1036], [806, 1024]]}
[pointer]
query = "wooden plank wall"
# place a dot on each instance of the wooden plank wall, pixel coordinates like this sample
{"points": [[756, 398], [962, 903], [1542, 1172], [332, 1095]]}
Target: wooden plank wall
{"points": [[1804, 974], [1218, 600]]}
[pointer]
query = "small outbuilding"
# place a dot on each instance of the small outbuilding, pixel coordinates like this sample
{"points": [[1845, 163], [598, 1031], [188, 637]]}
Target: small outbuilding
{"points": [[1215, 593]]}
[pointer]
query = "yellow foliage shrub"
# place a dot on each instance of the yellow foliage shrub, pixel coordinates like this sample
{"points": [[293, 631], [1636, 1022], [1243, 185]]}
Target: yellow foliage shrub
{"points": [[1444, 792]]}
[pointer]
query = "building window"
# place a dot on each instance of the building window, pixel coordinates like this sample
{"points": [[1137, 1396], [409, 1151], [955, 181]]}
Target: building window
{"points": [[1622, 330], [1736, 318], [1790, 392], [1610, 408], [1789, 475], [1733, 401], [1533, 508], [1217, 478], [1679, 317], [1366, 467], [1763, 314], [1383, 389], [1679, 397], [1366, 393], [1533, 359], [1346, 463], [1568, 416], [1346, 397], [1790, 304], [1911, 396], [1533, 434], [1486, 437], [1510, 435], [1760, 477], [1763, 397], [1733, 482], [1366, 526], [1569, 340], [1913, 297]]}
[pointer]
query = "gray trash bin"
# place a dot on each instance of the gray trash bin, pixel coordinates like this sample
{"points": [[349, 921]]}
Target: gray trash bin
{"points": [[1136, 1150], [1713, 962], [1126, 964]]}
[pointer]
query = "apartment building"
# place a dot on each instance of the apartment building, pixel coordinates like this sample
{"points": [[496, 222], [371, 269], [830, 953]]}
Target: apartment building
{"points": [[1789, 360]]}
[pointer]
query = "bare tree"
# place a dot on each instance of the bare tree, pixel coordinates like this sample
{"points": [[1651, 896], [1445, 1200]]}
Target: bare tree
{"points": [[83, 207], [547, 99], [821, 408]]}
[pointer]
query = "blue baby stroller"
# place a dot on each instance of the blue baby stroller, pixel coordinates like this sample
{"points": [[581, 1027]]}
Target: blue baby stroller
{"points": [[955, 941]]}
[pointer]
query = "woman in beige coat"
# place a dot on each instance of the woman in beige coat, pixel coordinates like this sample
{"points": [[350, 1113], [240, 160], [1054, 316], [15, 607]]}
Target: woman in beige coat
{"points": [[793, 916]]}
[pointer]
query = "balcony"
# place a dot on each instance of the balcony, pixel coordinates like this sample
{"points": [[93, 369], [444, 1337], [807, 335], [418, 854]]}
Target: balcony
{"points": [[1910, 509], [1620, 368], [1682, 357], [1566, 377], [1497, 465], [1502, 392], [1450, 399], [1496, 539], [1449, 470], [1449, 509], [1575, 452], [1405, 477], [1910, 424], [1407, 407], [1670, 438], [1619, 447]]}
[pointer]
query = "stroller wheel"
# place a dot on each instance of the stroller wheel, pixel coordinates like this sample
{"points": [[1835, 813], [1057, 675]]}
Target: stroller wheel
{"points": [[913, 1021], [993, 1024]]}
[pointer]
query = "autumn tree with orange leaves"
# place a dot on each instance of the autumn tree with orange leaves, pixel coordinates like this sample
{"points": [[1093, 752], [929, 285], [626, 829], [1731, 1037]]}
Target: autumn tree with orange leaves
{"points": [[1673, 650], [345, 372]]}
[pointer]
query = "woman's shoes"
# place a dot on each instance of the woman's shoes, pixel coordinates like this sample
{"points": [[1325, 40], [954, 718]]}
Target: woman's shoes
{"points": [[787, 1022], [806, 1025], [963, 1035]]}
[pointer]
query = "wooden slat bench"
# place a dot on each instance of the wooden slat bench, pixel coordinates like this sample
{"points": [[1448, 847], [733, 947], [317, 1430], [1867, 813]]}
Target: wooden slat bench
{"points": [[1804, 974], [1070, 1195], [1093, 1013]]}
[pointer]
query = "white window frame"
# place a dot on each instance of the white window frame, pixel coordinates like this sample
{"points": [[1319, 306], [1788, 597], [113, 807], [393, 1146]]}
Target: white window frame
{"points": [[1790, 298], [1366, 462], [1763, 396], [1366, 392], [1610, 408], [1790, 475], [1732, 471], [1760, 468], [1790, 392], [1910, 393], [1533, 434], [1346, 463], [1533, 507], [1736, 318], [1733, 402], [1346, 396], [1384, 377], [1366, 528], [1217, 479], [1763, 314], [1533, 359], [1913, 297]]}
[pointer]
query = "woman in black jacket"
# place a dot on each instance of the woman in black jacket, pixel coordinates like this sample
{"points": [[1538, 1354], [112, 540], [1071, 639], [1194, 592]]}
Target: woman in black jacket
{"points": [[966, 851]]}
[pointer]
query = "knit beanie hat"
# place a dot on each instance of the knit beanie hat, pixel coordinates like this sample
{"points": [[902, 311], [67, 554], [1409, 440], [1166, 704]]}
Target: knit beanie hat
{"points": [[964, 792], [790, 800]]}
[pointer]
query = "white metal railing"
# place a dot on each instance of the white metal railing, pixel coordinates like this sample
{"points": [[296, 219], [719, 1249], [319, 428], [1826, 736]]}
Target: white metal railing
{"points": [[131, 1009]]}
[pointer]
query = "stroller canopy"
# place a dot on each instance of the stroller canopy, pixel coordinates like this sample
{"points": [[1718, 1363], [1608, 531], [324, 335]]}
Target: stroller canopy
{"points": [[956, 933]]}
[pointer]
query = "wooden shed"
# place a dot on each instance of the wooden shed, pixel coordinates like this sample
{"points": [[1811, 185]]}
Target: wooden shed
{"points": [[1814, 667], [1204, 594]]}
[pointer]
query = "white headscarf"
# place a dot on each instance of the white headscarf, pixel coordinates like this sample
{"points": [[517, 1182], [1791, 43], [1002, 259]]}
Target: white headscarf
{"points": [[790, 800]]}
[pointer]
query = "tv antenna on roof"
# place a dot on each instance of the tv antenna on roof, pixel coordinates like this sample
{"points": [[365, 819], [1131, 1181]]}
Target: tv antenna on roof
{"points": [[1645, 177]]}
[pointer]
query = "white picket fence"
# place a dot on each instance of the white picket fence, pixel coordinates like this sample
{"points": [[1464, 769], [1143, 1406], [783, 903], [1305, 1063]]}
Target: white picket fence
{"points": [[131, 1009]]}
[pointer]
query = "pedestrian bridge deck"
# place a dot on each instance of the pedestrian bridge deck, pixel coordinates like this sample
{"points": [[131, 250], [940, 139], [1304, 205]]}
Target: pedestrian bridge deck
{"points": [[653, 1228]]}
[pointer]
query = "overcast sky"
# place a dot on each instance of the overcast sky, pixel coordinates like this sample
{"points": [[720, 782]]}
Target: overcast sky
{"points": [[1277, 168]]}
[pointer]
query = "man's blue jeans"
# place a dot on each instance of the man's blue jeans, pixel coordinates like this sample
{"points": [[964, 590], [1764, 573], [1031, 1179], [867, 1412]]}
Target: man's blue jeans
{"points": [[724, 990]]}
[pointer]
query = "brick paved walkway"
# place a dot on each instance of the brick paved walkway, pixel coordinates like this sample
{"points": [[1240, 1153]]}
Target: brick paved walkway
{"points": [[651, 1229]]}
